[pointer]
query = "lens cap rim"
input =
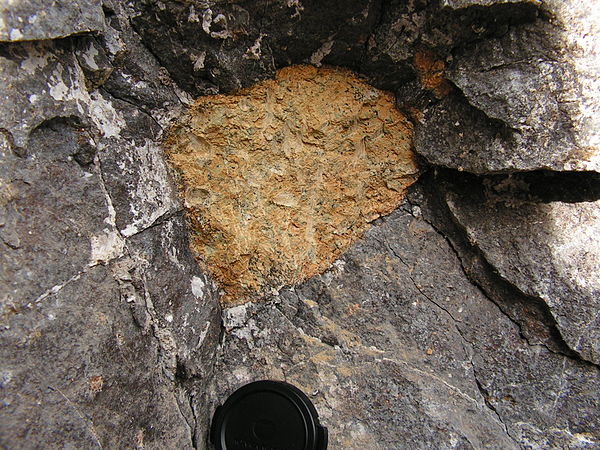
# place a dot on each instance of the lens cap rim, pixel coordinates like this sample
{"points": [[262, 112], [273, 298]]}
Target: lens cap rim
{"points": [[316, 435]]}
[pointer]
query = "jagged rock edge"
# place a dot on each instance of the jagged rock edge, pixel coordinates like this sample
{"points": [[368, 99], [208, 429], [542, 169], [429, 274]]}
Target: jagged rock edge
{"points": [[456, 237]]}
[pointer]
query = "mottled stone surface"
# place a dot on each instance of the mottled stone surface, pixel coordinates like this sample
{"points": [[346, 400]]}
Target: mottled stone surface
{"points": [[525, 73], [104, 313], [546, 248], [536, 320], [281, 178], [398, 349], [457, 4], [27, 20], [529, 98], [221, 46], [466, 319]]}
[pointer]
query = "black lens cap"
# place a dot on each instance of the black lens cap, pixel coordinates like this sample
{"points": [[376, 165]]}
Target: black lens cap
{"points": [[268, 415]]}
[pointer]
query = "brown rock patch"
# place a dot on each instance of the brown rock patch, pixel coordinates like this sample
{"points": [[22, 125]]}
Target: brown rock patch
{"points": [[431, 71], [96, 383], [279, 179]]}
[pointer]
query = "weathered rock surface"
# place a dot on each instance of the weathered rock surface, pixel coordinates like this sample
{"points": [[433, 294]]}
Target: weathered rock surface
{"points": [[525, 73], [103, 310], [427, 333], [458, 4], [530, 99], [224, 46], [28, 20], [399, 350], [281, 178], [220, 46], [545, 247]]}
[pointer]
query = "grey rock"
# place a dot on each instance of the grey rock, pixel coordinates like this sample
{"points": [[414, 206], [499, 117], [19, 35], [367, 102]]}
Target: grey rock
{"points": [[533, 318], [28, 20], [182, 297], [211, 45], [136, 175], [399, 350], [45, 227], [35, 89], [251, 40], [138, 78], [455, 134], [547, 250], [530, 99], [525, 73], [78, 373], [106, 321], [460, 321], [94, 63], [220, 46], [46, 81], [544, 118]]}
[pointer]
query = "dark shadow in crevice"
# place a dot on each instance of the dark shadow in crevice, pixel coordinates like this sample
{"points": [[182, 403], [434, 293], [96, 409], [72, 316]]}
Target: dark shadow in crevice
{"points": [[540, 186], [547, 186]]}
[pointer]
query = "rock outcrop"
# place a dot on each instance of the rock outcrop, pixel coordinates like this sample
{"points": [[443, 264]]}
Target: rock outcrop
{"points": [[467, 318], [103, 307]]}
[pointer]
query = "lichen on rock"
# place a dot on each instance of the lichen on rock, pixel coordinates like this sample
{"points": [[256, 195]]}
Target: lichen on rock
{"points": [[280, 178]]}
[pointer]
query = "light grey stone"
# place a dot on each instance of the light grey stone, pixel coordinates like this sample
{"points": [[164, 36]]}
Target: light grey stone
{"points": [[106, 318], [398, 349], [28, 20], [530, 100], [547, 250]]}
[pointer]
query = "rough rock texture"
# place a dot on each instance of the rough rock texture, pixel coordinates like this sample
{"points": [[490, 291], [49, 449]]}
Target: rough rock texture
{"points": [[399, 350], [281, 178], [103, 310], [535, 317], [39, 19], [525, 72], [529, 98], [226, 45], [547, 250], [215, 46], [425, 334]]}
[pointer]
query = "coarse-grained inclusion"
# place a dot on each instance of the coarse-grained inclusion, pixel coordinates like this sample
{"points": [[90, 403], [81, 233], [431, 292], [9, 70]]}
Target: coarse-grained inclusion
{"points": [[280, 178]]}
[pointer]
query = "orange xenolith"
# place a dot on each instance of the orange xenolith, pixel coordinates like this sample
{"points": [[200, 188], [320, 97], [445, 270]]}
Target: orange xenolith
{"points": [[280, 178]]}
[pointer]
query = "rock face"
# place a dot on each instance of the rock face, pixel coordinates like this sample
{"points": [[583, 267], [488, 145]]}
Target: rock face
{"points": [[526, 75], [36, 19], [528, 98], [103, 310], [467, 318], [280, 179], [548, 251], [399, 350]]}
